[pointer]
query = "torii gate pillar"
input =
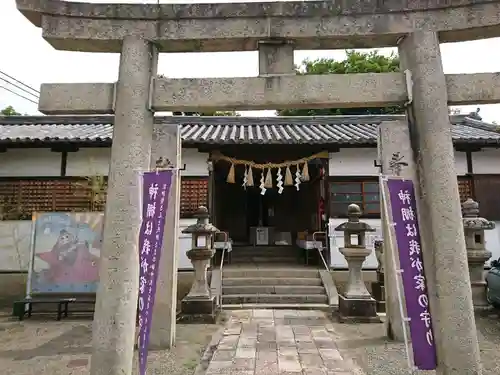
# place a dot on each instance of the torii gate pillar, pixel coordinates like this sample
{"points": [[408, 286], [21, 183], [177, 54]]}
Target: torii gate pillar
{"points": [[116, 306]]}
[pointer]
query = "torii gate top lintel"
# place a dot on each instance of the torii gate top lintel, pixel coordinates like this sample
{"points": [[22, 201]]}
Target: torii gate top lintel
{"points": [[240, 26]]}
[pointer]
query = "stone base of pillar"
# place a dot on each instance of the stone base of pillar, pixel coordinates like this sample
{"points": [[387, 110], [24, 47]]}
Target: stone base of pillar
{"points": [[479, 295], [378, 293], [353, 310], [199, 310]]}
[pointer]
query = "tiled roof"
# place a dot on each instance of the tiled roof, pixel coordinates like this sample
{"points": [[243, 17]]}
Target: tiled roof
{"points": [[333, 130]]}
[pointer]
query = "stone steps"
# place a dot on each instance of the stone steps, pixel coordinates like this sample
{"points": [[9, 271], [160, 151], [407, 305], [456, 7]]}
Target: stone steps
{"points": [[264, 259], [249, 281], [262, 272], [238, 299], [279, 306], [273, 289], [265, 255], [268, 250]]}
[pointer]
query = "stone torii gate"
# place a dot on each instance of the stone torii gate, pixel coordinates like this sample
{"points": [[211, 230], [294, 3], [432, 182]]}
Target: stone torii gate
{"points": [[140, 31]]}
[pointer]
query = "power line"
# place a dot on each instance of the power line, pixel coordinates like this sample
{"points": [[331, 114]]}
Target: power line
{"points": [[19, 87], [22, 83], [15, 93]]}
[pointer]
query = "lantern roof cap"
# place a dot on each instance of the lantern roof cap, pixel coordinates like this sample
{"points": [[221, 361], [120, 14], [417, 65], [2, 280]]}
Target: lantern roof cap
{"points": [[202, 226], [471, 218], [353, 225]]}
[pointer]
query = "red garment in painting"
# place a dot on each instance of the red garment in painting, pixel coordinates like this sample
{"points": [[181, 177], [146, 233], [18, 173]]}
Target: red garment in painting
{"points": [[70, 262]]}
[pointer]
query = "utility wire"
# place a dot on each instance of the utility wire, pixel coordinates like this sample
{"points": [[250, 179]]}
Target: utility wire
{"points": [[19, 87], [15, 93], [22, 83]]}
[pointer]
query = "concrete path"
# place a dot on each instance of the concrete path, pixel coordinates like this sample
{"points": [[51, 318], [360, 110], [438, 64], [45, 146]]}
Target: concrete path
{"points": [[268, 342]]}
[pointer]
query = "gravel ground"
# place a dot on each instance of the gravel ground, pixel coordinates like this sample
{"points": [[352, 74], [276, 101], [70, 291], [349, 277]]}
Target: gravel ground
{"points": [[366, 345], [55, 348]]}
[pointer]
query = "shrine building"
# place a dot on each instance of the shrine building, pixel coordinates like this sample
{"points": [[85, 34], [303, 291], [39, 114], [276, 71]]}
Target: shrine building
{"points": [[267, 181]]}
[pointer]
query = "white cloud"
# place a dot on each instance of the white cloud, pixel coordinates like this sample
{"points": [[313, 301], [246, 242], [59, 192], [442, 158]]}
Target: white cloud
{"points": [[27, 57]]}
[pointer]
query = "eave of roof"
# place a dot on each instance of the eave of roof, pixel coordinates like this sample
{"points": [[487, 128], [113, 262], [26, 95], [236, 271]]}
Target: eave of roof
{"points": [[325, 130]]}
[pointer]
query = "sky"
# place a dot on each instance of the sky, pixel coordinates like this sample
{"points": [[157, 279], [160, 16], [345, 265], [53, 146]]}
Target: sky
{"points": [[28, 58]]}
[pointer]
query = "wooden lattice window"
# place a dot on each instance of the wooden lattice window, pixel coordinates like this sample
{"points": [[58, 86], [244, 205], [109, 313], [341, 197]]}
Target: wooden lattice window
{"points": [[19, 198], [465, 188], [194, 193], [363, 193]]}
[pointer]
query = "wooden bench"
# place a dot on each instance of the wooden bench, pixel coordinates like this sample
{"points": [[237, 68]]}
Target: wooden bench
{"points": [[25, 307]]}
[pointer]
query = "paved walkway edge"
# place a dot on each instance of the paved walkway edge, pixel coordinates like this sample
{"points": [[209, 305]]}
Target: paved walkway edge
{"points": [[201, 369]]}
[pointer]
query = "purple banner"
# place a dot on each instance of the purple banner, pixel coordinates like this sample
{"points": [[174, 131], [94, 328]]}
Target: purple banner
{"points": [[155, 191], [404, 216]]}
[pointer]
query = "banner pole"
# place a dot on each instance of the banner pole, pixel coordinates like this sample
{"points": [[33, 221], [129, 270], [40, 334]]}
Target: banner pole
{"points": [[393, 248], [31, 264]]}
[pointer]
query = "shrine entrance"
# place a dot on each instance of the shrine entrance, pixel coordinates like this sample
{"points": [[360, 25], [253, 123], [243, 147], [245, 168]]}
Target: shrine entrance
{"points": [[270, 208]]}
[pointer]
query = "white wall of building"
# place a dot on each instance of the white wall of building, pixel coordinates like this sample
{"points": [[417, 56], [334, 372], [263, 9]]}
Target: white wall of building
{"points": [[88, 161], [359, 162], [492, 238], [486, 161], [14, 236], [30, 163], [92, 161]]}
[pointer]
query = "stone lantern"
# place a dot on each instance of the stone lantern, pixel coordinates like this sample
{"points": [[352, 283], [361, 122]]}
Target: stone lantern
{"points": [[477, 255], [199, 302], [356, 304]]}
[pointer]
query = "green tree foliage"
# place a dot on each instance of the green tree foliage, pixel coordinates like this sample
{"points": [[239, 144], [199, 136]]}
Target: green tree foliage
{"points": [[9, 111], [355, 62]]}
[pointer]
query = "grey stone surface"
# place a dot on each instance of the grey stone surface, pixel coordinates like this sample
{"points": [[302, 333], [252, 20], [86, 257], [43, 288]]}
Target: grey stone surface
{"points": [[40, 347], [276, 58], [369, 348], [477, 255], [48, 347], [77, 98], [278, 91], [394, 137], [115, 311], [167, 145], [444, 253], [237, 27], [279, 342], [355, 253], [272, 285], [330, 288], [288, 91]]}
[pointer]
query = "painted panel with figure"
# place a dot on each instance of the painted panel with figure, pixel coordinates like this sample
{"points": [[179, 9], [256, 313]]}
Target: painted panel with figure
{"points": [[66, 252]]}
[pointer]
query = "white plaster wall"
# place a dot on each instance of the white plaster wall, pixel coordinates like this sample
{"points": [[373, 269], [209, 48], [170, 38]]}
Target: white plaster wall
{"points": [[461, 163], [359, 162], [184, 244], [15, 242], [31, 162], [492, 238], [486, 161], [337, 260], [196, 162], [353, 162], [91, 161], [88, 162], [15, 237]]}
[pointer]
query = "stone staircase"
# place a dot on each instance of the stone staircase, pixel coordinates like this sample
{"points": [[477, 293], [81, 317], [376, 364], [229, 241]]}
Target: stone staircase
{"points": [[266, 255], [269, 286]]}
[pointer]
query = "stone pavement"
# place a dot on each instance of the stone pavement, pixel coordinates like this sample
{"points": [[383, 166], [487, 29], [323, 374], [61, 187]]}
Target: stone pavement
{"points": [[279, 342]]}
